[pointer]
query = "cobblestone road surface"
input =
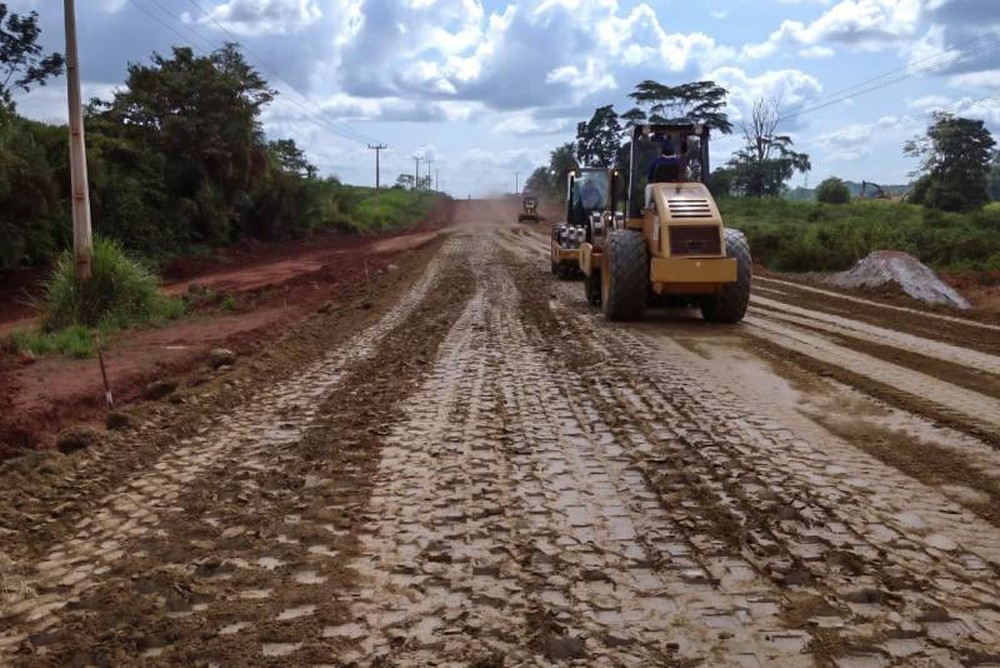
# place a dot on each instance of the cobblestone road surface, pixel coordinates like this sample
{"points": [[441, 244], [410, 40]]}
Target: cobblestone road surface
{"points": [[486, 473]]}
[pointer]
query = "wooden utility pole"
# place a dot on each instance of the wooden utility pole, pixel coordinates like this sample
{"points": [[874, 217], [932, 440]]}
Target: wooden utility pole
{"points": [[77, 151]]}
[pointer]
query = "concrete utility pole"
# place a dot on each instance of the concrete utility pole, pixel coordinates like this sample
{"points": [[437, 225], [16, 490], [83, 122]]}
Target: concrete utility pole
{"points": [[416, 173], [77, 151], [429, 163], [377, 148], [517, 183], [437, 176]]}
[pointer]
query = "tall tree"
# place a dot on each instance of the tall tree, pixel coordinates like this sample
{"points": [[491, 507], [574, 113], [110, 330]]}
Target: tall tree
{"points": [[699, 102], [539, 182], [955, 156], [561, 162], [22, 61], [598, 140], [766, 160], [291, 158], [203, 114]]}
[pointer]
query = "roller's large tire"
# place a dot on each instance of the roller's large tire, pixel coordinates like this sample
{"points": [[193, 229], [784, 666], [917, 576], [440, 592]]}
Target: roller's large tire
{"points": [[625, 275], [592, 287], [730, 304]]}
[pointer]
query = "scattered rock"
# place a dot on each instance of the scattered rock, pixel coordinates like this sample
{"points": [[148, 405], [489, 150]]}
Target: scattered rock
{"points": [[116, 420], [882, 268], [158, 389], [392, 268], [562, 648], [219, 357], [76, 438]]}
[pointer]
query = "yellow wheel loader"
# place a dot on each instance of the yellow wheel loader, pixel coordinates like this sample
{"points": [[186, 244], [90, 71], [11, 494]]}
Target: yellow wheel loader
{"points": [[592, 201], [670, 247]]}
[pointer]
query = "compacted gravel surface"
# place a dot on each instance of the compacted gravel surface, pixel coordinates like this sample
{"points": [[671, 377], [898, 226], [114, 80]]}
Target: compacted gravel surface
{"points": [[465, 465]]}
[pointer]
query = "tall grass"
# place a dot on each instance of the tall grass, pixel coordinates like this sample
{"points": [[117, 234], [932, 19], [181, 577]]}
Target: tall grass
{"points": [[808, 236], [120, 293], [393, 209]]}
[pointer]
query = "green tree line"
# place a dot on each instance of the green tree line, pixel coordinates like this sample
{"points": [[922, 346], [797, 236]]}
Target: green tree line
{"points": [[178, 160]]}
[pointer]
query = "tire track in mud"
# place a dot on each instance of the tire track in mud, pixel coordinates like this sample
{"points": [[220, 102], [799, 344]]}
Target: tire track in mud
{"points": [[877, 566], [528, 536], [970, 378], [965, 410], [957, 355], [961, 332], [202, 500]]}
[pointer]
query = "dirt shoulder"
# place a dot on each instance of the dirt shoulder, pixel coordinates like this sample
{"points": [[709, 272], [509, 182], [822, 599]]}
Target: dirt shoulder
{"points": [[269, 290]]}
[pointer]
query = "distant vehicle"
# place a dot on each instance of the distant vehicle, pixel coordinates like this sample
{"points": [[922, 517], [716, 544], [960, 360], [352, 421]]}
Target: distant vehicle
{"points": [[529, 210]]}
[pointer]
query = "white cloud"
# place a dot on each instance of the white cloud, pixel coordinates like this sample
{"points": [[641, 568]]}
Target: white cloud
{"points": [[848, 143], [983, 79], [930, 52], [523, 123], [793, 87], [868, 25], [817, 51], [261, 17], [527, 55], [985, 108]]}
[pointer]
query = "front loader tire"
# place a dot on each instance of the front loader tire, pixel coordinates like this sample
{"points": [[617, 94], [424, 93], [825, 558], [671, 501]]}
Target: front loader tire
{"points": [[729, 305], [625, 275]]}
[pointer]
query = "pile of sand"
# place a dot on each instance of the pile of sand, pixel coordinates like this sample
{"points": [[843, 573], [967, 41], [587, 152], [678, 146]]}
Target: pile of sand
{"points": [[882, 268]]}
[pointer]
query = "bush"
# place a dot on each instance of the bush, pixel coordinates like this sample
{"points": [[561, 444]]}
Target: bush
{"points": [[805, 236], [120, 292], [833, 191]]}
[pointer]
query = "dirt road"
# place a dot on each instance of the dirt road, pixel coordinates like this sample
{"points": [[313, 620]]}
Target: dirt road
{"points": [[469, 467]]}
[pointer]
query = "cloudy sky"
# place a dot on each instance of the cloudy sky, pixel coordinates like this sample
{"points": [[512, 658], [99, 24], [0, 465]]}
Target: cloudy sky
{"points": [[486, 88]]}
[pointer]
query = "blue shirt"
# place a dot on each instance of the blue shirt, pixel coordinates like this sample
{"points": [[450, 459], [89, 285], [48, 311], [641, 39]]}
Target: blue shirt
{"points": [[662, 160]]}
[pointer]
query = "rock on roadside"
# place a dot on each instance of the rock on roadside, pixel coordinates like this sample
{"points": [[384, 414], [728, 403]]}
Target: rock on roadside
{"points": [[76, 438], [218, 357]]}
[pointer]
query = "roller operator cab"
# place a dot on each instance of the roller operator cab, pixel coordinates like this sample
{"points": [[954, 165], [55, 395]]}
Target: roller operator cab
{"points": [[594, 199], [670, 247]]}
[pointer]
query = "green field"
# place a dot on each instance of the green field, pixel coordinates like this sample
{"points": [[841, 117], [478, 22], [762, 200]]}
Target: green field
{"points": [[805, 236], [355, 208]]}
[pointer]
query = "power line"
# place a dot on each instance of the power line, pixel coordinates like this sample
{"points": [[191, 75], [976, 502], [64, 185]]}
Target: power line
{"points": [[358, 136], [875, 83], [287, 103]]}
